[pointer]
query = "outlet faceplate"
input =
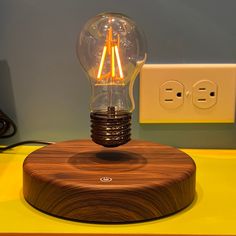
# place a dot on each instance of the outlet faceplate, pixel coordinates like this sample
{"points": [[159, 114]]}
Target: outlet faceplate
{"points": [[208, 93]]}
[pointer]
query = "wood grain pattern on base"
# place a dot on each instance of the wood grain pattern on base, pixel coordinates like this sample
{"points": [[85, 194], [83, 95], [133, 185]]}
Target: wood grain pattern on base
{"points": [[80, 180]]}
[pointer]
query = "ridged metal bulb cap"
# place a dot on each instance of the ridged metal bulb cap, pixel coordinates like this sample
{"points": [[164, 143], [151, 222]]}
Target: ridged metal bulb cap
{"points": [[110, 129]]}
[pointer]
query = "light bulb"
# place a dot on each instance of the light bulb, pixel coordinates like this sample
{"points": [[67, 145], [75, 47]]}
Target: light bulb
{"points": [[112, 50]]}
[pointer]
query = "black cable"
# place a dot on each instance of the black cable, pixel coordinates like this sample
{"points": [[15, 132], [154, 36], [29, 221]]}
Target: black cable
{"points": [[7, 126], [8, 129], [24, 142]]}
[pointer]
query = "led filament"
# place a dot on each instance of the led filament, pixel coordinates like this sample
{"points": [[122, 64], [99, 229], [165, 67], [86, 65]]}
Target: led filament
{"points": [[110, 52]]}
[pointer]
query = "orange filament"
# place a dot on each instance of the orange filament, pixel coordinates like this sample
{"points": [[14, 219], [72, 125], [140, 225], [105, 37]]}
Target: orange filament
{"points": [[111, 48], [102, 62], [112, 62], [118, 62]]}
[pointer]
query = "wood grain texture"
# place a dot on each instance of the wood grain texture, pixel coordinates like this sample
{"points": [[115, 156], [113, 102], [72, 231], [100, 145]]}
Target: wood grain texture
{"points": [[80, 180]]}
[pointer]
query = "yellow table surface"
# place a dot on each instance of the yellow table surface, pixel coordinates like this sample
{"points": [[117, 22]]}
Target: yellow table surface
{"points": [[213, 211]]}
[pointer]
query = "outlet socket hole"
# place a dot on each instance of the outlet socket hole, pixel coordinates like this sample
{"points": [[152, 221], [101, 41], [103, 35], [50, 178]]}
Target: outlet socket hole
{"points": [[169, 89], [179, 94], [212, 94], [202, 89], [168, 100], [201, 99]]}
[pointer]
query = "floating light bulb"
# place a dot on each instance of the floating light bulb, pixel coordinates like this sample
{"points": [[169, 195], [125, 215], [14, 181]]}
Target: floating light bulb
{"points": [[112, 50]]}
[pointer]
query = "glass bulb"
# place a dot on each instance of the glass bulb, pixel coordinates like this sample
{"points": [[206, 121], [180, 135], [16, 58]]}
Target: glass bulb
{"points": [[112, 50]]}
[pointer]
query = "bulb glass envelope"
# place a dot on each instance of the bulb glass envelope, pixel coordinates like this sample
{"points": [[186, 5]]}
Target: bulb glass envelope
{"points": [[112, 50]]}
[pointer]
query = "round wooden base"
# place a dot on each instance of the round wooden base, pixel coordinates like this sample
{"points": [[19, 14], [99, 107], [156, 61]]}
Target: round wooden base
{"points": [[80, 180]]}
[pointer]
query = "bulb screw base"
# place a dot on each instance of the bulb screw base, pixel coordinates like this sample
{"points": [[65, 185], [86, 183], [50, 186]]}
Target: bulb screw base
{"points": [[110, 128]]}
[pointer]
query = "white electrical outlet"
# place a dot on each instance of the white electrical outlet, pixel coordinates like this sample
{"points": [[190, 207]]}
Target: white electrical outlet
{"points": [[171, 94], [204, 94], [187, 93]]}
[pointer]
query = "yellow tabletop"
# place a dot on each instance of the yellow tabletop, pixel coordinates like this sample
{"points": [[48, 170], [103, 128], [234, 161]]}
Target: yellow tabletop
{"points": [[213, 211]]}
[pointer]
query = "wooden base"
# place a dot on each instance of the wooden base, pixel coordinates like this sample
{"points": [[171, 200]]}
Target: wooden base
{"points": [[80, 180]]}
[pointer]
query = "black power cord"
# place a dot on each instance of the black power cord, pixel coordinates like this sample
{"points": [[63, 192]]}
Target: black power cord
{"points": [[24, 142], [7, 126], [8, 129]]}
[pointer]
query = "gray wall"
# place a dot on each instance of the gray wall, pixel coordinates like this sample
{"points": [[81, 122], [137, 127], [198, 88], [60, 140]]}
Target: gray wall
{"points": [[43, 88]]}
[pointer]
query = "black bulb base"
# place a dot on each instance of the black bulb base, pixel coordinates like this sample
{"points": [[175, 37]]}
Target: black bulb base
{"points": [[110, 128]]}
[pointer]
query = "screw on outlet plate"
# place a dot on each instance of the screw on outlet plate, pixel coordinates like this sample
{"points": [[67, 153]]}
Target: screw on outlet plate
{"points": [[204, 94], [171, 94]]}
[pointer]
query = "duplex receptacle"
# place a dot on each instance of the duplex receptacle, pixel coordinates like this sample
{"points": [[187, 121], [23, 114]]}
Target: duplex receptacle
{"points": [[190, 93]]}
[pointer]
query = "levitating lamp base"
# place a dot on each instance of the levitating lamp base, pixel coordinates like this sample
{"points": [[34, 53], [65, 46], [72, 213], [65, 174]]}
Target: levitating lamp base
{"points": [[79, 180]]}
